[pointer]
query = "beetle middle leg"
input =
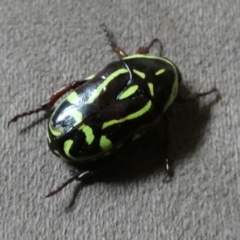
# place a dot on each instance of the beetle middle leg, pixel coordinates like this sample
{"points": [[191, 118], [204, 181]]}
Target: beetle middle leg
{"points": [[51, 101], [112, 44], [145, 50], [192, 97]]}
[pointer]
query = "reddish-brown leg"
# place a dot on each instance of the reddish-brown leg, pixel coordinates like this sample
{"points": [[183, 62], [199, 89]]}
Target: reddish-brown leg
{"points": [[192, 97], [145, 50], [113, 45], [45, 106], [85, 177], [78, 176]]}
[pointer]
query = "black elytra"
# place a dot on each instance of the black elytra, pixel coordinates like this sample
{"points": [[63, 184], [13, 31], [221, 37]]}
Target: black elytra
{"points": [[106, 111]]}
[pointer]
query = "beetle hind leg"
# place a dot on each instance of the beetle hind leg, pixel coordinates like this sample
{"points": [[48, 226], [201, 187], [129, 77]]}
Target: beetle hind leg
{"points": [[112, 44]]}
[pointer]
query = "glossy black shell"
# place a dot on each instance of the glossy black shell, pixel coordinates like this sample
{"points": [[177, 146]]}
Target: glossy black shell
{"points": [[97, 120]]}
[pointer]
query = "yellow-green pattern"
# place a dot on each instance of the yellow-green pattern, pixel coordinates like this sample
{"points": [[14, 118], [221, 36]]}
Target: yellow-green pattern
{"points": [[56, 131], [73, 98], [105, 143], [140, 74], [130, 116], [90, 77], [105, 83], [48, 137], [151, 90], [113, 107], [67, 146], [128, 92], [87, 130], [160, 72], [77, 116]]}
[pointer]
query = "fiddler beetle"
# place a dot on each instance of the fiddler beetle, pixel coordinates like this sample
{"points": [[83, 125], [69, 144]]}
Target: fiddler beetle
{"points": [[106, 111]]}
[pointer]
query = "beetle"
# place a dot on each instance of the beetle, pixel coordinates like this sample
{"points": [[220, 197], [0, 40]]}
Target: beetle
{"points": [[106, 111]]}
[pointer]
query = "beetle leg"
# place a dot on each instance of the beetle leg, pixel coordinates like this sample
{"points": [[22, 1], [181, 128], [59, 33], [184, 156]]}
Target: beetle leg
{"points": [[113, 45], [145, 50], [55, 96], [168, 162], [192, 97], [78, 176], [85, 177]]}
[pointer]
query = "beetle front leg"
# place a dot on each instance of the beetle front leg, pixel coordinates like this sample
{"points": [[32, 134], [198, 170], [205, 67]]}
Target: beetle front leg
{"points": [[145, 50], [51, 101], [113, 45]]}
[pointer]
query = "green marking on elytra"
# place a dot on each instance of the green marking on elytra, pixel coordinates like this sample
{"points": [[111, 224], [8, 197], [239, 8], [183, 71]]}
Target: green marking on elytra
{"points": [[160, 72], [150, 86], [73, 98], [48, 137], [105, 83], [144, 56], [134, 115], [105, 143], [90, 77], [78, 117], [140, 74], [175, 84], [88, 133], [67, 146], [128, 92], [56, 131]]}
